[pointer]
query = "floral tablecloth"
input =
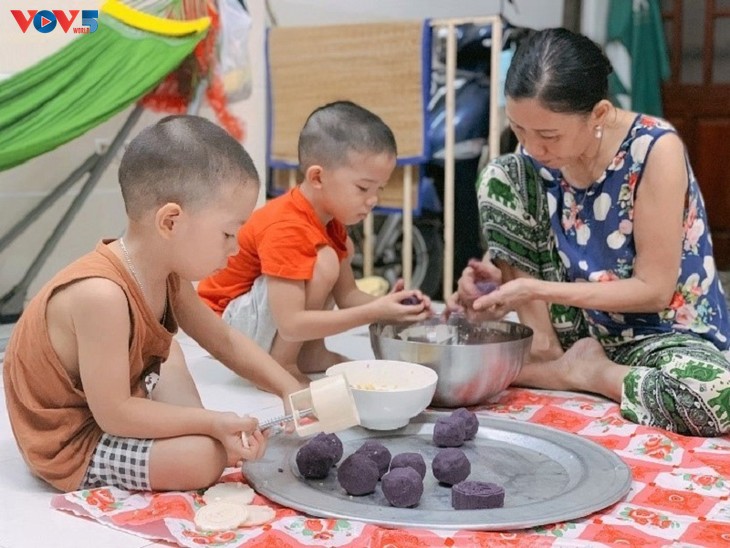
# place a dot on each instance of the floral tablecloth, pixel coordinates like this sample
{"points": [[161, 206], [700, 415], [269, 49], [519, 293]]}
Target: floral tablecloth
{"points": [[679, 494]]}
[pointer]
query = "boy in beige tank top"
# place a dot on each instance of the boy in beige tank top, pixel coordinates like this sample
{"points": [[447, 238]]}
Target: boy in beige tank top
{"points": [[97, 390]]}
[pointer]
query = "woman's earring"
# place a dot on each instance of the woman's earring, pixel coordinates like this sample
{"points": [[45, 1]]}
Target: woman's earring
{"points": [[599, 132]]}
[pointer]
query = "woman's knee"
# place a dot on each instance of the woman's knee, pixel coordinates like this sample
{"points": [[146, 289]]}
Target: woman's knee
{"points": [[695, 397]]}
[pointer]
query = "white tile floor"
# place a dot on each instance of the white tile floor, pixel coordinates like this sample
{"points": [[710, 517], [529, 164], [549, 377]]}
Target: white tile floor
{"points": [[27, 520]]}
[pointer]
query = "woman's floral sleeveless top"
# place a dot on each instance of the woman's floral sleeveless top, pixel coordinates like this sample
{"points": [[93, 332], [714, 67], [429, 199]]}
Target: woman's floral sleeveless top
{"points": [[595, 241]]}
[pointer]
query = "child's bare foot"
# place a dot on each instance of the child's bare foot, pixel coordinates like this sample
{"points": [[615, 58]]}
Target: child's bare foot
{"points": [[316, 358], [583, 367], [323, 361]]}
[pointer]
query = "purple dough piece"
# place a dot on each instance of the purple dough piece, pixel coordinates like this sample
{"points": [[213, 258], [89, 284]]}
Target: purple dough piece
{"points": [[411, 300], [332, 442], [403, 487], [412, 460], [471, 422], [485, 288], [449, 432], [473, 495], [451, 466], [358, 475], [377, 452], [314, 460]]}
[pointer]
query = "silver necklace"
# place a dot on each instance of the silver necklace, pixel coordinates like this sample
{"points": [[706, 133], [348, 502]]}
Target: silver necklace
{"points": [[130, 265]]}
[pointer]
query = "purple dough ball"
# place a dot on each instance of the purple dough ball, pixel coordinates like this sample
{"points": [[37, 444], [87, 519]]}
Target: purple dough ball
{"points": [[473, 495], [411, 300], [358, 475], [332, 442], [449, 432], [471, 422], [485, 288], [314, 460], [378, 453], [412, 460], [402, 487], [451, 466]]}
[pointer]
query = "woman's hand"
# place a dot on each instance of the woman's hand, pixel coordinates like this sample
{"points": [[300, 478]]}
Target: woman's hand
{"points": [[478, 278], [505, 298]]}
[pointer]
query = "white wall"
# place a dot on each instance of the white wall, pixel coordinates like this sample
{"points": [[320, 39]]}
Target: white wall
{"points": [[593, 20], [103, 214], [529, 13]]}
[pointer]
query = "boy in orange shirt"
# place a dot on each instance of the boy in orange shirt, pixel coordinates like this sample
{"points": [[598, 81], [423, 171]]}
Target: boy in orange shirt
{"points": [[97, 390], [294, 260]]}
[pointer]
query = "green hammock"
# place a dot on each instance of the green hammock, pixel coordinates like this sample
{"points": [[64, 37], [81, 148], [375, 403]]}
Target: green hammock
{"points": [[83, 84]]}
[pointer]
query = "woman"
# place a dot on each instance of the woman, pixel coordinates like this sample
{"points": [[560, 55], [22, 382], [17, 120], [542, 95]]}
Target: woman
{"points": [[600, 195]]}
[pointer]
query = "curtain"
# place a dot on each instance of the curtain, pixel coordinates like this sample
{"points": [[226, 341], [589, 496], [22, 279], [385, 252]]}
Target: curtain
{"points": [[637, 48]]}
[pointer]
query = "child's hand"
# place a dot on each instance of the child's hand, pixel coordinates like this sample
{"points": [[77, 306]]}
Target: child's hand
{"points": [[403, 306], [399, 285], [231, 430], [254, 446]]}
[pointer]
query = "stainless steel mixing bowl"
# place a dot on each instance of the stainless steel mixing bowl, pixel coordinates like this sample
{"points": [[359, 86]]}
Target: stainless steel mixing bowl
{"points": [[473, 362]]}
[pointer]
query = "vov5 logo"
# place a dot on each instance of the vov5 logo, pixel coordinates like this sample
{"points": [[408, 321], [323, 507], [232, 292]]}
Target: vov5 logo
{"points": [[46, 21]]}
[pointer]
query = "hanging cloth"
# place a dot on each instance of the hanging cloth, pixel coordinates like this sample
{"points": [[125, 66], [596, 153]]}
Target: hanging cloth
{"points": [[637, 49], [87, 82]]}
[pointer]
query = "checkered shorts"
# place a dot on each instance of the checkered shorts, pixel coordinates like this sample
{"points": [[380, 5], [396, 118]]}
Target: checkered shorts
{"points": [[119, 462]]}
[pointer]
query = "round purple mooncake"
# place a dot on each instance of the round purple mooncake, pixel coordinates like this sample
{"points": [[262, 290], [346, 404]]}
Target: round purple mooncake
{"points": [[412, 300], [449, 432], [412, 460], [473, 495], [378, 453], [314, 460], [332, 442], [450, 466], [358, 475], [403, 487], [471, 422]]}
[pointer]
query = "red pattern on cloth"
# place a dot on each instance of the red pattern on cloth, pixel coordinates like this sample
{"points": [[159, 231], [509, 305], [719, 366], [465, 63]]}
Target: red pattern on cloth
{"points": [[177, 90], [680, 491]]}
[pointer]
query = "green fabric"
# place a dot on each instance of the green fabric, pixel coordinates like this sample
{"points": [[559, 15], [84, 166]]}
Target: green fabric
{"points": [[80, 86], [637, 25]]}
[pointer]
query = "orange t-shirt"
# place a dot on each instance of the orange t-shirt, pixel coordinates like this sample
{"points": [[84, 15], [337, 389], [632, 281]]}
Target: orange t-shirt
{"points": [[50, 417], [280, 239]]}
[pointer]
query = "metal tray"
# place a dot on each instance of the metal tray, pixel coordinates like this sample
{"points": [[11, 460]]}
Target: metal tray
{"points": [[549, 476]]}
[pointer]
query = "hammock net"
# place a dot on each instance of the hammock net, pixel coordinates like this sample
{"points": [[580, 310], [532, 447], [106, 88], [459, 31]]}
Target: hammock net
{"points": [[133, 54]]}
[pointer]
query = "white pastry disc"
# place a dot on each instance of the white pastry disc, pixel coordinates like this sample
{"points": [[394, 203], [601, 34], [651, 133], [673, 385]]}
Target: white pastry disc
{"points": [[258, 515], [236, 493], [220, 516]]}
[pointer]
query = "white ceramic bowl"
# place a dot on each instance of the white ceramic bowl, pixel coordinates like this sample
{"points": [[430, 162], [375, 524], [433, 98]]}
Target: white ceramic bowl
{"points": [[387, 393]]}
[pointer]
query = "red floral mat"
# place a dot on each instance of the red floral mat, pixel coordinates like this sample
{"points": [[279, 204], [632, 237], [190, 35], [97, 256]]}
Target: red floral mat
{"points": [[679, 494]]}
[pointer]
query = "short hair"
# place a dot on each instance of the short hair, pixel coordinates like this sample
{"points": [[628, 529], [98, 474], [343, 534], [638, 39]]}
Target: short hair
{"points": [[334, 130], [181, 159], [565, 71]]}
